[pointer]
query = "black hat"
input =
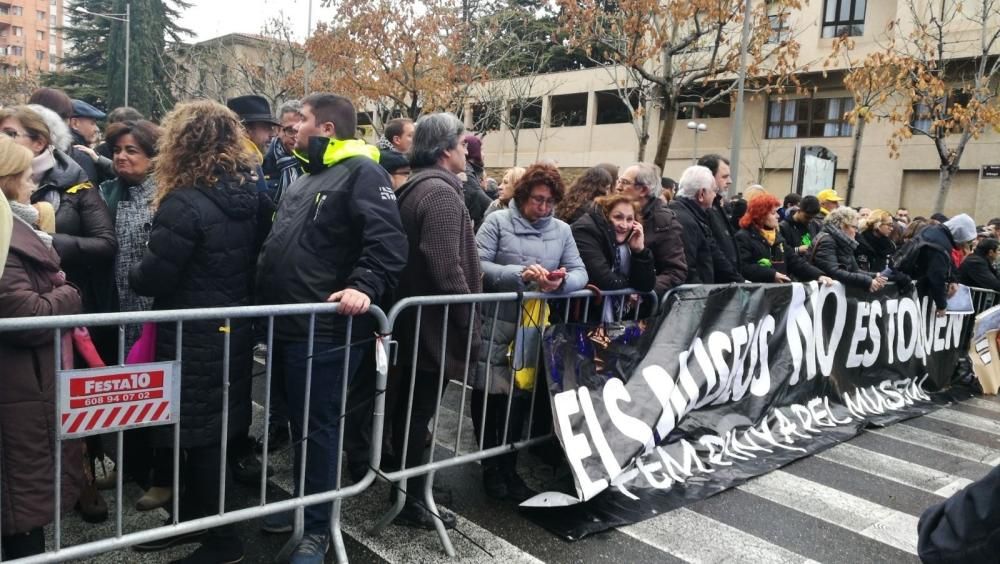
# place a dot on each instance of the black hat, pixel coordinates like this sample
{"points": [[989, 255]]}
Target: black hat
{"points": [[809, 205], [252, 109], [392, 161]]}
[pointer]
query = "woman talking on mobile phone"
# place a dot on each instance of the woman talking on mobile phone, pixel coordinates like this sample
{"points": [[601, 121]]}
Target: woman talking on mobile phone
{"points": [[612, 246], [521, 248]]}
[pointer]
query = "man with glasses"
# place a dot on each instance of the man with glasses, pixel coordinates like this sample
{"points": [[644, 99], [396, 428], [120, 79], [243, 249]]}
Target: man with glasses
{"points": [[662, 231], [281, 167], [799, 229]]}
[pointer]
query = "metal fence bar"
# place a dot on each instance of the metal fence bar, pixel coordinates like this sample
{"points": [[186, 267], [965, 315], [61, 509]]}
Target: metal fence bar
{"points": [[268, 374], [226, 344], [176, 478], [120, 540], [336, 535]]}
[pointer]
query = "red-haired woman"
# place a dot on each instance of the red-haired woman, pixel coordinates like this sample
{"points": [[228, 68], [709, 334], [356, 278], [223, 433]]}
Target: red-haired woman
{"points": [[765, 256]]}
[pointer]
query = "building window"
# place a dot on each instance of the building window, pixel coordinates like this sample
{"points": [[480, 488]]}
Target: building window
{"points": [[40, 55], [924, 114], [569, 110], [41, 15], [40, 35], [526, 113], [18, 31], [54, 3], [693, 104], [485, 117], [4, 11], [53, 21], [777, 18], [16, 50], [809, 117], [16, 10], [844, 17], [612, 109]]}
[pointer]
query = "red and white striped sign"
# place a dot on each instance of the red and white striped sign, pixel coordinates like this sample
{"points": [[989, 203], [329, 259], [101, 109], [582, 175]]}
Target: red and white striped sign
{"points": [[102, 400]]}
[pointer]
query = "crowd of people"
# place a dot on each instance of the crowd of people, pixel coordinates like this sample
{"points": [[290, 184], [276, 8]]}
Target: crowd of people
{"points": [[233, 206]]}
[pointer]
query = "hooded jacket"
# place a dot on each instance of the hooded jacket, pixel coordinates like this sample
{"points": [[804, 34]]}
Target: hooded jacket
{"points": [[85, 235], [934, 262], [30, 287], [336, 227], [443, 260], [201, 253]]}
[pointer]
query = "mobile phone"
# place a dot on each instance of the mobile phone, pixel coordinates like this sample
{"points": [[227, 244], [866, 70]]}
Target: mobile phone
{"points": [[631, 233], [556, 275]]}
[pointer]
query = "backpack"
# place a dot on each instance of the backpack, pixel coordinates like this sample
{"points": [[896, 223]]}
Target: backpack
{"points": [[906, 256]]}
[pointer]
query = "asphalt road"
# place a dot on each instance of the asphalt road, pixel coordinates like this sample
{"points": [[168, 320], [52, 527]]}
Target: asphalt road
{"points": [[856, 502]]}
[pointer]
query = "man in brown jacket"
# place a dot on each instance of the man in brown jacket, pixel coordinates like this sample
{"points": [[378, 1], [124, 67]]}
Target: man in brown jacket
{"points": [[641, 181], [443, 261]]}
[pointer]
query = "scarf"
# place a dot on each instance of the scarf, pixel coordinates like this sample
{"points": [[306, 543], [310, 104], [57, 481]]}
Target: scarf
{"points": [[287, 165], [769, 235], [41, 164], [840, 237], [29, 215]]}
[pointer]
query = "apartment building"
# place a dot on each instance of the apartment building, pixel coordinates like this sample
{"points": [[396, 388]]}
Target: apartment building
{"points": [[29, 35], [580, 121]]}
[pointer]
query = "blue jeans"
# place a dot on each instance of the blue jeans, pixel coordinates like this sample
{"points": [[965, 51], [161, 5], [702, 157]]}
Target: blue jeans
{"points": [[323, 452]]}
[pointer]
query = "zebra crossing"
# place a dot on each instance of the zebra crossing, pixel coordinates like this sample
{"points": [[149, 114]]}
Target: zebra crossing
{"points": [[856, 502]]}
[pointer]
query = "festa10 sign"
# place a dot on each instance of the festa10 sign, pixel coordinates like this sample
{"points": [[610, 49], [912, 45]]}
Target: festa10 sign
{"points": [[103, 400]]}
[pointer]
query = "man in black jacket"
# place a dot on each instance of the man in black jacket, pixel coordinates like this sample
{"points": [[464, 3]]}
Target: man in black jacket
{"points": [[706, 263], [800, 230], [337, 237], [718, 220], [977, 269]]}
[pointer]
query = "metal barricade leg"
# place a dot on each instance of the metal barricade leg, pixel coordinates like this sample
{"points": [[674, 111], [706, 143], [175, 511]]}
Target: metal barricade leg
{"points": [[438, 523]]}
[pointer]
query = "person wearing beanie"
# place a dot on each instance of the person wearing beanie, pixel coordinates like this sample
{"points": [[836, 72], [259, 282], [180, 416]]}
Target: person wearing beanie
{"points": [[476, 200]]}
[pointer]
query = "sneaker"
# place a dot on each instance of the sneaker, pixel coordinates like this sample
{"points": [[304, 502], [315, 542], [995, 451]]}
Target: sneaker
{"points": [[247, 471], [278, 523], [176, 540], [154, 497], [215, 550], [416, 516], [260, 353], [312, 549]]}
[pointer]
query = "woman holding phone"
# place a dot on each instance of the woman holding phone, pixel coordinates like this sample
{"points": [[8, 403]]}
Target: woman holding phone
{"points": [[612, 246], [521, 248]]}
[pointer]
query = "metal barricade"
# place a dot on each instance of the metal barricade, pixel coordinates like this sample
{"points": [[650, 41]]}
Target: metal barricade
{"points": [[121, 539], [982, 300], [489, 308]]}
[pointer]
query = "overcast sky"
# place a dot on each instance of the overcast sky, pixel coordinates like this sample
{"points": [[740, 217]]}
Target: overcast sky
{"points": [[212, 18]]}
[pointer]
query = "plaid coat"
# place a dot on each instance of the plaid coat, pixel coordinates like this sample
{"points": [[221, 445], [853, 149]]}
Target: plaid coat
{"points": [[443, 260]]}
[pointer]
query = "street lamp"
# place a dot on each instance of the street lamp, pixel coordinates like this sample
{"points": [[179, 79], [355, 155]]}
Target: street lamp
{"points": [[125, 18], [697, 128]]}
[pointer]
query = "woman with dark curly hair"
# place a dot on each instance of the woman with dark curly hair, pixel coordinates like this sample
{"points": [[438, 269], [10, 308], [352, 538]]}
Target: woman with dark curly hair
{"points": [[202, 252], [595, 182], [521, 248], [765, 256]]}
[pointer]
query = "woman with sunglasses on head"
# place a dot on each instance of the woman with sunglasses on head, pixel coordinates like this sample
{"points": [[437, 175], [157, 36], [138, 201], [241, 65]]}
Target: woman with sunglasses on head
{"points": [[521, 249]]}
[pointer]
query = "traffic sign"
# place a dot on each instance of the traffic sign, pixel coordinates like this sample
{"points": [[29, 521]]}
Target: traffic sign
{"points": [[102, 400]]}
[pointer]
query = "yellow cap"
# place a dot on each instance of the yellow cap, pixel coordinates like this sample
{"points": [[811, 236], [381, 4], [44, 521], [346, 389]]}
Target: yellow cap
{"points": [[828, 195]]}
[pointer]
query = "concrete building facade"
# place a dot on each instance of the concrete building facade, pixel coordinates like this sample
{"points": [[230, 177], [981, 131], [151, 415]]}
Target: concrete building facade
{"points": [[579, 125], [29, 36]]}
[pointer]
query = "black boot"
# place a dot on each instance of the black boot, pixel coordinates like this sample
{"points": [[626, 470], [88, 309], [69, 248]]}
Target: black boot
{"points": [[517, 490], [493, 480]]}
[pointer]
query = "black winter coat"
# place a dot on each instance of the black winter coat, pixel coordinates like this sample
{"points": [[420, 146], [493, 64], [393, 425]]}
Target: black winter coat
{"points": [[85, 234], [476, 200], [761, 260], [596, 242], [796, 234], [724, 232], [665, 238], [202, 253], [835, 257], [874, 251], [977, 272], [963, 528], [934, 263], [706, 263]]}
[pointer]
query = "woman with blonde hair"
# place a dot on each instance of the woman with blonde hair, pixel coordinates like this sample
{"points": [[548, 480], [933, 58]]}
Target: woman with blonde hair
{"points": [[32, 285], [875, 247], [202, 252], [507, 183]]}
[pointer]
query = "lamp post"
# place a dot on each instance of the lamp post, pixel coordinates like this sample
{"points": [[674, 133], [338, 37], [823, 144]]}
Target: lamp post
{"points": [[305, 67], [697, 127], [125, 18]]}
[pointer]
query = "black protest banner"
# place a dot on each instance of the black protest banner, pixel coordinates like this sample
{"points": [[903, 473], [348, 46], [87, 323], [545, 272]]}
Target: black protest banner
{"points": [[730, 382]]}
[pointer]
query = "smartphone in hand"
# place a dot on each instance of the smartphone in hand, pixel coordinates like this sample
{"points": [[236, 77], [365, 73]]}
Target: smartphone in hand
{"points": [[556, 275]]}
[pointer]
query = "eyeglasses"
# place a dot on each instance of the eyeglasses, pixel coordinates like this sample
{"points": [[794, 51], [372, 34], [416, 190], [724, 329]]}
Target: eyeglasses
{"points": [[622, 181], [289, 131], [543, 201]]}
